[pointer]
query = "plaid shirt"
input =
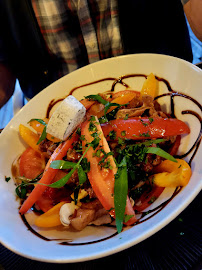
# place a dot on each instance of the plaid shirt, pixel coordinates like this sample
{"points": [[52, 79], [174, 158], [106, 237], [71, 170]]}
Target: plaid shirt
{"points": [[79, 32]]}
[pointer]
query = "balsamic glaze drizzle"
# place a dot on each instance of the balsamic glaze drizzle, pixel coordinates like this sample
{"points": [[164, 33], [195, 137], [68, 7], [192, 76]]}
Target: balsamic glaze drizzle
{"points": [[194, 147]]}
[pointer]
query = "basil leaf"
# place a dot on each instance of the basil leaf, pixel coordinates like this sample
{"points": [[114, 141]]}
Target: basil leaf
{"points": [[82, 176], [38, 120], [43, 136], [62, 164], [97, 98], [120, 194], [108, 105], [60, 183], [159, 152]]}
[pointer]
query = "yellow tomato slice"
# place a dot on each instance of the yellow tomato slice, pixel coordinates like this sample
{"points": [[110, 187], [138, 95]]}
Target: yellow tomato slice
{"points": [[51, 218], [150, 86], [29, 137], [172, 174], [39, 128]]}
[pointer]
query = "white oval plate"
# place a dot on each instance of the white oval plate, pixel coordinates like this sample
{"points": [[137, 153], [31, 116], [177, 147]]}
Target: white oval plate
{"points": [[183, 77]]}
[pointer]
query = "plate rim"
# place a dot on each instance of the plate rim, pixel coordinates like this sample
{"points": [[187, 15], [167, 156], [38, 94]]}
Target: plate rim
{"points": [[128, 244]]}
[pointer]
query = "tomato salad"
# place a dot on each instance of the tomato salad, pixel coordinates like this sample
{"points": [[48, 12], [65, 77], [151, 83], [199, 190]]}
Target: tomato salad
{"points": [[117, 161]]}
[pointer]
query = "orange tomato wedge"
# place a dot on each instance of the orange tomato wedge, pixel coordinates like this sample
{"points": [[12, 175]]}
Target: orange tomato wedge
{"points": [[123, 99]]}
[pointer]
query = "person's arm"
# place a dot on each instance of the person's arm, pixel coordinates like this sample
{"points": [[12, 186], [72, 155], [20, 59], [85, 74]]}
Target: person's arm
{"points": [[7, 84], [193, 11]]}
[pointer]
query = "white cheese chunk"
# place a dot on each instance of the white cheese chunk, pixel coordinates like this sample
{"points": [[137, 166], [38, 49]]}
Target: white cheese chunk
{"points": [[69, 114]]}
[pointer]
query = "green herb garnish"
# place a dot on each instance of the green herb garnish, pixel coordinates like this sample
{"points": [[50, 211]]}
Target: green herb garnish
{"points": [[82, 138], [44, 134], [76, 193], [82, 175], [153, 199], [97, 98], [121, 141], [126, 117], [62, 164], [144, 134], [150, 142], [120, 193], [78, 131], [127, 218], [38, 120], [60, 183], [7, 179], [144, 123], [85, 164], [21, 190], [151, 120], [105, 162], [160, 152], [106, 103], [112, 135], [95, 143], [92, 127]]}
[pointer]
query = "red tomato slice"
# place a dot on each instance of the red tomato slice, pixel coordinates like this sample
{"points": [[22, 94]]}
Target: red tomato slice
{"points": [[144, 128], [31, 164], [53, 196], [102, 179], [48, 174], [147, 198], [174, 148]]}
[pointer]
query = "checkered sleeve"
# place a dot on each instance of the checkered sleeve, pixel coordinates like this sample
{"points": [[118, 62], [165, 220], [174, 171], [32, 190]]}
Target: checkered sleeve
{"points": [[79, 32]]}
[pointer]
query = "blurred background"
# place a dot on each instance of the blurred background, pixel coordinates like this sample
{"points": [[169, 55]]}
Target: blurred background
{"points": [[17, 101]]}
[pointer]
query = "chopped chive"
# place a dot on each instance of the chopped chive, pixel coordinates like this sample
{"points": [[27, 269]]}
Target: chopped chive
{"points": [[160, 152], [120, 193]]}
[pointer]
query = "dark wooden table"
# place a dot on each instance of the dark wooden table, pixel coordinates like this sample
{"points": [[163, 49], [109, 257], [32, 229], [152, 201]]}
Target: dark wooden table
{"points": [[177, 246]]}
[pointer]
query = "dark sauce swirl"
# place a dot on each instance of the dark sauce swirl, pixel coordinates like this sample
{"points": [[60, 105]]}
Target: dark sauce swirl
{"points": [[193, 149]]}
